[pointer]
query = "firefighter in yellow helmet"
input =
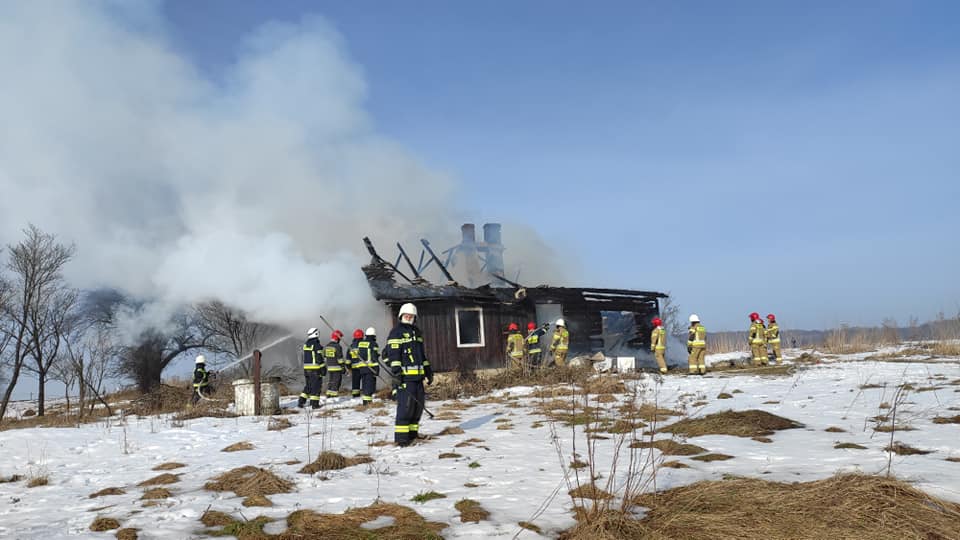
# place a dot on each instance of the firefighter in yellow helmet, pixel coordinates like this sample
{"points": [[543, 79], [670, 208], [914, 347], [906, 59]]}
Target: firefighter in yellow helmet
{"points": [[658, 343], [773, 337], [758, 340], [515, 346], [697, 346], [561, 343]]}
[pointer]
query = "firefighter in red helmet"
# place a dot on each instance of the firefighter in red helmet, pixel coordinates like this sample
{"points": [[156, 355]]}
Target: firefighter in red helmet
{"points": [[658, 344], [514, 346], [333, 356], [758, 340], [773, 337], [355, 363], [534, 346]]}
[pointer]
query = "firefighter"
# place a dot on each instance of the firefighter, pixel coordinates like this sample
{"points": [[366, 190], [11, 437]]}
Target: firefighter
{"points": [[758, 341], [354, 364], [773, 337], [409, 363], [369, 365], [561, 343], [515, 346], [658, 344], [201, 379], [333, 356], [533, 344], [313, 370], [697, 346]]}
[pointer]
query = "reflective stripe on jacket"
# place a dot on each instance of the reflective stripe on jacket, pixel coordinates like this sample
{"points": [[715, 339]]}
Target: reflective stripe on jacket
{"points": [[658, 339], [757, 333], [773, 333], [533, 341], [561, 339], [697, 337], [333, 354], [515, 345], [407, 356], [311, 354]]}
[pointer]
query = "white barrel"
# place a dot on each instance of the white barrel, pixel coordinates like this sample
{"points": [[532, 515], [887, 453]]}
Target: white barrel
{"points": [[269, 396]]}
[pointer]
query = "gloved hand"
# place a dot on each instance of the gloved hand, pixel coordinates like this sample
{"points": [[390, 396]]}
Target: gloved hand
{"points": [[689, 350], [429, 379]]}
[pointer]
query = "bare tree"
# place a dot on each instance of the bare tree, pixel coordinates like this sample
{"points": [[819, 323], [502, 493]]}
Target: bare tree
{"points": [[229, 329], [36, 283], [90, 353], [145, 361], [49, 325], [672, 322]]}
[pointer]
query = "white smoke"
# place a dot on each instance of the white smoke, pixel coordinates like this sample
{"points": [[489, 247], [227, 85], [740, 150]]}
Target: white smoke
{"points": [[254, 188]]}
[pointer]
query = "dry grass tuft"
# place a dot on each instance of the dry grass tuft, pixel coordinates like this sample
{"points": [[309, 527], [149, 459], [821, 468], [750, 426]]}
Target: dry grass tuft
{"points": [[107, 491], [471, 511], [947, 420], [11, 478], [257, 500], [724, 395], [530, 527], [212, 518], [39, 480], [902, 449], [891, 429], [161, 480], [833, 429], [669, 447], [249, 481], [712, 457], [407, 524], [449, 455], [332, 461], [953, 459], [468, 442], [169, 466], [849, 446], [765, 440], [239, 447], [590, 491], [279, 424], [451, 430], [844, 507], [156, 494], [127, 534], [578, 464], [104, 524], [751, 423], [603, 385], [674, 465]]}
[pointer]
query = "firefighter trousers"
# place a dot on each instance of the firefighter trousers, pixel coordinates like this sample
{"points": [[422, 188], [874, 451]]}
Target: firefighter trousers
{"points": [[355, 376], [560, 357], [311, 388], [696, 360], [410, 399], [660, 355], [775, 349], [334, 378], [368, 384], [759, 354]]}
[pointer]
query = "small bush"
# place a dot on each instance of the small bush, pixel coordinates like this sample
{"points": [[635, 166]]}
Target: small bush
{"points": [[427, 496], [471, 511]]}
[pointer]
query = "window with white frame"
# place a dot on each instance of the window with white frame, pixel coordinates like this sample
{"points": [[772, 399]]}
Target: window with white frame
{"points": [[470, 327]]}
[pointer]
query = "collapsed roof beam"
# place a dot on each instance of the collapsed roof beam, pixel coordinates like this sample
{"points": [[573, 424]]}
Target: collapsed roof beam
{"points": [[379, 259], [413, 268], [443, 268], [507, 281]]}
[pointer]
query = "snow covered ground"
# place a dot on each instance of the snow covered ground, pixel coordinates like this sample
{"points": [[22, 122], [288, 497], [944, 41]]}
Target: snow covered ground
{"points": [[512, 472]]}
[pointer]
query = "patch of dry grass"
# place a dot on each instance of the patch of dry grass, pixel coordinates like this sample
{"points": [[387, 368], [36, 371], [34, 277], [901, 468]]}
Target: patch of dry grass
{"points": [[212, 518], [104, 524], [169, 466], [250, 481], [156, 494], [161, 480], [331, 461], [468, 442], [849, 446], [38, 480], [471, 511], [257, 500], [450, 430], [712, 457], [953, 459], [530, 527], [750, 423], [279, 424], [724, 395], [947, 419], [843, 507], [239, 447], [902, 449], [589, 491], [11, 478], [407, 524], [833, 429], [669, 447], [107, 491], [449, 455], [674, 465], [127, 534]]}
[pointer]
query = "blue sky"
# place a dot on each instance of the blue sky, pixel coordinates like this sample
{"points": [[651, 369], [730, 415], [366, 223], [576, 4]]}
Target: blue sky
{"points": [[799, 158]]}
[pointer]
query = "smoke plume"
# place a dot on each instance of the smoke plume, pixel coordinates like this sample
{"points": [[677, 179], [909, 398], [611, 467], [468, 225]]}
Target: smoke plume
{"points": [[254, 187]]}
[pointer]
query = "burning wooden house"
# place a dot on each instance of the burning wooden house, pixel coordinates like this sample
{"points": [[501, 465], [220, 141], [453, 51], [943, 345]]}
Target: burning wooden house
{"points": [[466, 324]]}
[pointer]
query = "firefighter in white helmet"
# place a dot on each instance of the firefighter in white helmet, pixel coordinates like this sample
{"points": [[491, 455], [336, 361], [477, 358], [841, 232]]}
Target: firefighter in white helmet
{"points": [[313, 370], [696, 346], [201, 379], [561, 343], [369, 365], [409, 364]]}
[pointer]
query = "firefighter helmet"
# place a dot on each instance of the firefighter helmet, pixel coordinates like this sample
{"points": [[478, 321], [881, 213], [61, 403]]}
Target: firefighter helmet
{"points": [[771, 317], [358, 334], [754, 316], [656, 321], [372, 331], [313, 333], [201, 359], [336, 335], [694, 318], [531, 326], [561, 322], [408, 309], [513, 326]]}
